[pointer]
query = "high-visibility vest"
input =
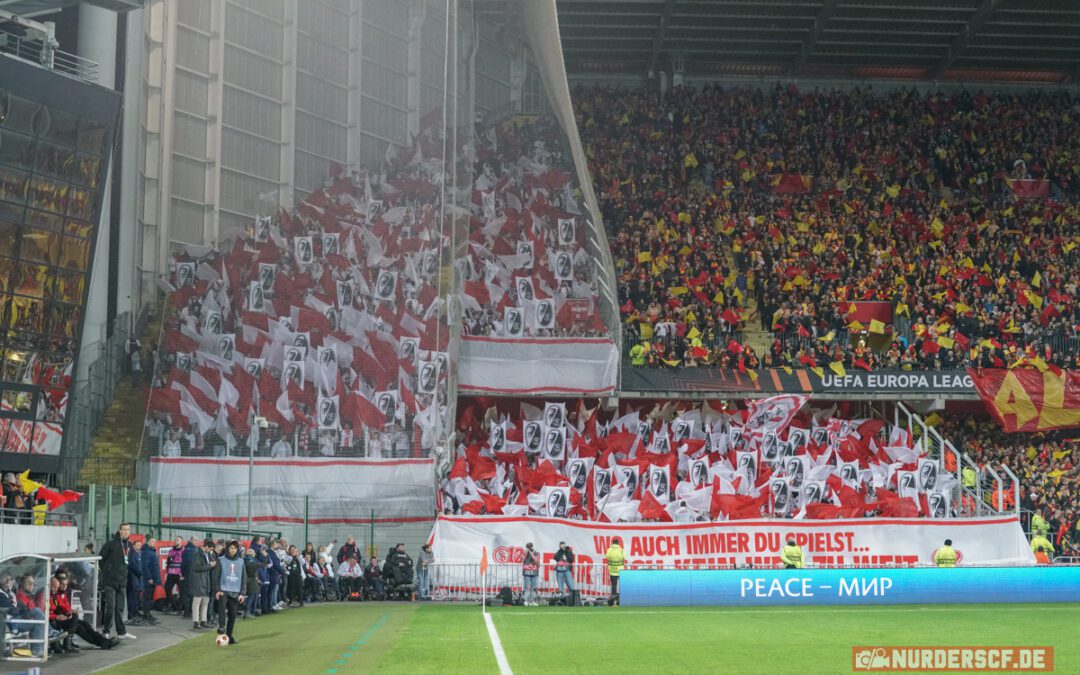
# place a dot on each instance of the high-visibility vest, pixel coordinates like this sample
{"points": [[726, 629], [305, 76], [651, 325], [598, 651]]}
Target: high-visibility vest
{"points": [[615, 560], [945, 557], [968, 477], [791, 555], [1040, 541]]}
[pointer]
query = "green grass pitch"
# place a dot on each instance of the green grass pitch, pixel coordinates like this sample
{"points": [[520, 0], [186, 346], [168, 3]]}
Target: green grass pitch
{"points": [[441, 638]]}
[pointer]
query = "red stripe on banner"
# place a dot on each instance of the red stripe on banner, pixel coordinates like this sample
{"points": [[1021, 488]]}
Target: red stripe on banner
{"points": [[292, 520], [537, 390], [918, 522], [538, 341], [314, 461]]}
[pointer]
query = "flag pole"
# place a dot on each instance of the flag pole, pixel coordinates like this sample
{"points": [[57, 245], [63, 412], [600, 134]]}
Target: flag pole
{"points": [[483, 580]]}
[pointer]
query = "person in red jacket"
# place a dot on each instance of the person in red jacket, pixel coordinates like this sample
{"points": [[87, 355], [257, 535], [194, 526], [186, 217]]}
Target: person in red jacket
{"points": [[63, 618]]}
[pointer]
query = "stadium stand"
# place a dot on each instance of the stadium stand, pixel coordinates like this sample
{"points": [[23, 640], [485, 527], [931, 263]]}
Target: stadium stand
{"points": [[687, 463], [800, 211]]}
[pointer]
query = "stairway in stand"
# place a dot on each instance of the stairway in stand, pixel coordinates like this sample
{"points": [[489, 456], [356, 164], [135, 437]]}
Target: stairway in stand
{"points": [[115, 447]]}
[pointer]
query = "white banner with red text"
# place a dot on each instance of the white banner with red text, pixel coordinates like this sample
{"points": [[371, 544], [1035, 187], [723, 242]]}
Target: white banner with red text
{"points": [[324, 490], [24, 436], [863, 542], [536, 366]]}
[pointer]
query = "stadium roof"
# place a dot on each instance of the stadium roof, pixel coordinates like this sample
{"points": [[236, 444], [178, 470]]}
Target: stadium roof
{"points": [[1035, 41]]}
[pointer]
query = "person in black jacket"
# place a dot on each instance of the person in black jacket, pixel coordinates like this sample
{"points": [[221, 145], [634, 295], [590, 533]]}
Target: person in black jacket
{"points": [[294, 578], [347, 551], [114, 580], [251, 583]]}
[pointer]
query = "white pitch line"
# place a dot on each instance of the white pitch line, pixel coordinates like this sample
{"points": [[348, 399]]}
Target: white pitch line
{"points": [[496, 646], [818, 608]]}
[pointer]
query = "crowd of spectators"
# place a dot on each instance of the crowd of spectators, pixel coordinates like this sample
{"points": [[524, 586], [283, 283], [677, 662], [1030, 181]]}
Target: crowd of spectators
{"points": [[681, 463], [732, 207], [1047, 464], [334, 312]]}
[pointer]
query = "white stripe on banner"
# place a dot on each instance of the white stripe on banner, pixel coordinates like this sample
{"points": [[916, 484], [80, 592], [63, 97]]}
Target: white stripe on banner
{"points": [[496, 646]]}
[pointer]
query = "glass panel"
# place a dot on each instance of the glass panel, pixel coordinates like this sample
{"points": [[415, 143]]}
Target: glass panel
{"points": [[54, 160], [16, 149], [92, 137], [86, 170], [29, 280], [18, 113], [68, 286], [80, 228], [61, 126], [40, 246], [9, 238], [81, 203], [49, 195], [13, 185], [75, 254], [44, 221]]}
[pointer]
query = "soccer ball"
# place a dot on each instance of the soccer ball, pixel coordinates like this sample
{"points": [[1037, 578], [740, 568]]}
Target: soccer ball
{"points": [[222, 640]]}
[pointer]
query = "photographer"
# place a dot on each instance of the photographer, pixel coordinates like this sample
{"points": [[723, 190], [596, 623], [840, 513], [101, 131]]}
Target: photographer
{"points": [[530, 571], [564, 569]]}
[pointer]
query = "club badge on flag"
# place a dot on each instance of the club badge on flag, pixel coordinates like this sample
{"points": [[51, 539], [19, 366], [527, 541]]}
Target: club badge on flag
{"points": [[577, 472], [328, 413], [185, 274], [524, 287], [262, 229], [226, 346], [659, 481], [513, 323], [344, 294], [267, 276], [386, 285], [408, 348], [567, 233], [254, 367], [330, 244], [601, 484], [928, 474], [629, 476], [302, 249], [255, 297], [555, 414], [545, 315], [427, 378], [212, 323], [497, 437], [533, 437], [526, 248], [293, 372], [564, 266], [555, 444], [387, 403]]}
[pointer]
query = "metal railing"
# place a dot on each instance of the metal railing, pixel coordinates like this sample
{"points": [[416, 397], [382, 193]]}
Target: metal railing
{"points": [[12, 516], [44, 54], [90, 398]]}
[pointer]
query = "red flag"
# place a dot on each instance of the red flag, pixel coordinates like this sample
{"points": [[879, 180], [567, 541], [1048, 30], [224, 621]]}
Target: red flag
{"points": [[483, 561], [730, 316], [803, 332], [55, 499]]}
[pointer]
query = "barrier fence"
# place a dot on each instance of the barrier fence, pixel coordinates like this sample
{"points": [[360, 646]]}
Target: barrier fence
{"points": [[462, 582]]}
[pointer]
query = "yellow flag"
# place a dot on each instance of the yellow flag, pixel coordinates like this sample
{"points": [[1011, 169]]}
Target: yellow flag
{"points": [[828, 337], [851, 308], [674, 363], [685, 250], [967, 262], [819, 371], [678, 290], [28, 486], [961, 307], [893, 190], [1034, 299], [1036, 280], [902, 309], [694, 333], [788, 286], [856, 326], [646, 330], [838, 368], [877, 327], [935, 244], [1070, 246], [684, 217], [933, 420], [819, 248], [805, 227], [800, 280], [738, 294], [644, 256], [1016, 256], [753, 375], [788, 370], [946, 342]]}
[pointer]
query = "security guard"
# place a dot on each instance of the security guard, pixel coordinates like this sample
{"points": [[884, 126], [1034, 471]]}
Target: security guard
{"points": [[637, 354], [1039, 526], [1039, 541], [791, 555], [946, 555], [615, 561], [968, 478]]}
